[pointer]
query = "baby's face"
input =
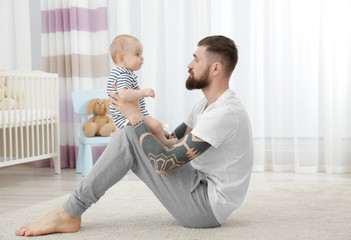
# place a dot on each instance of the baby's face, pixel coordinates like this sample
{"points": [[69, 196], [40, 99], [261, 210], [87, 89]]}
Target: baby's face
{"points": [[134, 57]]}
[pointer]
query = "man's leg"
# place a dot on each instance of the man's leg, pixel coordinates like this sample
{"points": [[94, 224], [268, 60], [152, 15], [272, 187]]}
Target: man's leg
{"points": [[183, 192], [112, 165]]}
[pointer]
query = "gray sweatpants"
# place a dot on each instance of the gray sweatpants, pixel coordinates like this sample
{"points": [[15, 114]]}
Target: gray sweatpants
{"points": [[183, 192]]}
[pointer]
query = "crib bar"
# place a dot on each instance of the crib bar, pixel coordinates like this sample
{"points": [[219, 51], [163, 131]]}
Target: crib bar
{"points": [[10, 121], [56, 140], [47, 118], [30, 116], [42, 125], [21, 120], [16, 120], [52, 146], [2, 106], [29, 129], [37, 115], [27, 111], [37, 103]]}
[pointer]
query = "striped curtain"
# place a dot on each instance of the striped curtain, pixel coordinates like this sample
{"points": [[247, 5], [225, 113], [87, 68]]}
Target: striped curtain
{"points": [[74, 45]]}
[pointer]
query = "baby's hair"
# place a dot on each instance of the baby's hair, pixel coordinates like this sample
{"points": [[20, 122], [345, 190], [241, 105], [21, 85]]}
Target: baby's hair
{"points": [[119, 45]]}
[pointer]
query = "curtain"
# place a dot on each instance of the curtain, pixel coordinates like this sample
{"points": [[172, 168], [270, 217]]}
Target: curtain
{"points": [[15, 40], [300, 84], [74, 45], [293, 74]]}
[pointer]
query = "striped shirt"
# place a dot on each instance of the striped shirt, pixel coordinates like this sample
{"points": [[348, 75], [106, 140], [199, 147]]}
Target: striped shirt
{"points": [[123, 78]]}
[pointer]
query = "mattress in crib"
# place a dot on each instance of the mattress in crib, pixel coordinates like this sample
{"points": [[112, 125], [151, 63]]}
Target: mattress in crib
{"points": [[25, 117]]}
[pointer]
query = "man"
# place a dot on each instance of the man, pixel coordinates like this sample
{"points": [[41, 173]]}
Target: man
{"points": [[216, 140]]}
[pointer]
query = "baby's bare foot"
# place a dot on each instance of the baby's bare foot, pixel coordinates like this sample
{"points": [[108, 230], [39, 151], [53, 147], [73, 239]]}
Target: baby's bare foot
{"points": [[57, 220], [170, 142]]}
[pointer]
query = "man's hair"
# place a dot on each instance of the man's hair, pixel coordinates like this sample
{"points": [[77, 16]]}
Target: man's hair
{"points": [[119, 45], [225, 48]]}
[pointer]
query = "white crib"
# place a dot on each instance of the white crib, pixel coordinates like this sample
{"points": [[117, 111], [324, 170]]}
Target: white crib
{"points": [[29, 118]]}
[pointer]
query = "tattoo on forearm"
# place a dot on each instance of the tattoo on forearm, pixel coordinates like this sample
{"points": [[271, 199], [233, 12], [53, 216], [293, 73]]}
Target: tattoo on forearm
{"points": [[165, 159], [179, 132]]}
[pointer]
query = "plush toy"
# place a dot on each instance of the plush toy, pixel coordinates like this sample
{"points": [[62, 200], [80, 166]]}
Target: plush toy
{"points": [[99, 125], [6, 102]]}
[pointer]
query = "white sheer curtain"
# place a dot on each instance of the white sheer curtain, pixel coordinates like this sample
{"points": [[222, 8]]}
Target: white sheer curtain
{"points": [[15, 40], [293, 73]]}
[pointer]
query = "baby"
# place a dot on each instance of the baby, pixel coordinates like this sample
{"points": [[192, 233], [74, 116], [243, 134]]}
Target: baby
{"points": [[126, 52]]}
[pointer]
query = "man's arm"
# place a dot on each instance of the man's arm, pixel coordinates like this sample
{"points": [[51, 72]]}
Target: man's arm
{"points": [[163, 159], [181, 131]]}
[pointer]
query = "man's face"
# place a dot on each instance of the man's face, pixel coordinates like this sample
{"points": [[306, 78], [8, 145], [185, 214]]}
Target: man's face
{"points": [[198, 71]]}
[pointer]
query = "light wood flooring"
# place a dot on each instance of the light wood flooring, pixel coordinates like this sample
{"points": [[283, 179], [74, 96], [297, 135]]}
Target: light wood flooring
{"points": [[23, 185]]}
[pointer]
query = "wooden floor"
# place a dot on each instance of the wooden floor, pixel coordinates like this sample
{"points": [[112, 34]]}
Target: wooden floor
{"points": [[23, 186]]}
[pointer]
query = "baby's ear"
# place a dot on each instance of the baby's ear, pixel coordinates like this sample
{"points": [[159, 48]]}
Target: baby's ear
{"points": [[120, 58], [107, 106], [91, 106]]}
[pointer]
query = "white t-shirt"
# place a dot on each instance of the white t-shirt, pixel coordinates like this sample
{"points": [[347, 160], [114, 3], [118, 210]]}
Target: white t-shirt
{"points": [[227, 164]]}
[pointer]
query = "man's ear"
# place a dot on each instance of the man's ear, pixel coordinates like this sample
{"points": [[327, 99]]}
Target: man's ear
{"points": [[216, 68]]}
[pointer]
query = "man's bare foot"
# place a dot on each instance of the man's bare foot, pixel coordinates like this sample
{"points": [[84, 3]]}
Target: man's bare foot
{"points": [[55, 221]]}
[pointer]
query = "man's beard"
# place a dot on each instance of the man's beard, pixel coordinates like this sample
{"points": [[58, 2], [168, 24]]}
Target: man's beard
{"points": [[198, 83]]}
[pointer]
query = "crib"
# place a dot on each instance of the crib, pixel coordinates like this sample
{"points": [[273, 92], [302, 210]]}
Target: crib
{"points": [[29, 118]]}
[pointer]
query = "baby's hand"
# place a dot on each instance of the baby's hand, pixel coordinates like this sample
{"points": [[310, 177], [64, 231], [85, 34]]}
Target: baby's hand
{"points": [[148, 92]]}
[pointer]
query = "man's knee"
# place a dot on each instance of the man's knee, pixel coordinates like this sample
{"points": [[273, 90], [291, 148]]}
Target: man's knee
{"points": [[122, 133], [130, 136], [129, 131]]}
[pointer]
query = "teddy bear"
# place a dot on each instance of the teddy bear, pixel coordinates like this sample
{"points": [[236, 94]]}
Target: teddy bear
{"points": [[100, 124], [7, 98], [6, 103]]}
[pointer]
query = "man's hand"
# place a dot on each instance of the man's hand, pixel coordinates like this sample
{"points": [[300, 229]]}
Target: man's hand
{"points": [[129, 109], [148, 92]]}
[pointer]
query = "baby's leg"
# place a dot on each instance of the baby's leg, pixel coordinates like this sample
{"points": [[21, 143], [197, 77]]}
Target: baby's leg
{"points": [[156, 129]]}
